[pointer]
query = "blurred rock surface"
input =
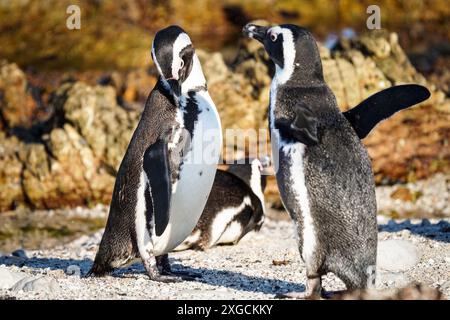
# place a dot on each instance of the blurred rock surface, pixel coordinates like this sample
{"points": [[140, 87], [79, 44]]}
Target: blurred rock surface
{"points": [[70, 158]]}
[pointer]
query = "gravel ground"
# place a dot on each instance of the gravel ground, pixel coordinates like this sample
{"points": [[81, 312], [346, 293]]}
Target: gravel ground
{"points": [[423, 198], [260, 266]]}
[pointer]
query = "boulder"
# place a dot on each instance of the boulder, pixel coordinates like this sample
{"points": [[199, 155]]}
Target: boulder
{"points": [[40, 284], [9, 278], [71, 159], [397, 255], [17, 106]]}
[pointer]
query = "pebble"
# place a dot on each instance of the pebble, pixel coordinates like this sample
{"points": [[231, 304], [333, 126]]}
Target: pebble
{"points": [[20, 253], [41, 284], [9, 278], [397, 255], [73, 270]]}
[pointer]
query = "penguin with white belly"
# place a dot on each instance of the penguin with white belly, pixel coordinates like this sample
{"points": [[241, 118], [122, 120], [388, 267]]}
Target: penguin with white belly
{"points": [[322, 169], [235, 206], [169, 167]]}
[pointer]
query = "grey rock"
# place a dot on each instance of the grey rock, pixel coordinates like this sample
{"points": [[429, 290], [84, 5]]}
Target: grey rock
{"points": [[73, 270], [20, 253], [397, 255], [9, 278], [42, 284]]}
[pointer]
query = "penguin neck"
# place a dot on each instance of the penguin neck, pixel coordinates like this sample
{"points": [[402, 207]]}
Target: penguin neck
{"points": [[298, 74], [195, 81], [256, 183]]}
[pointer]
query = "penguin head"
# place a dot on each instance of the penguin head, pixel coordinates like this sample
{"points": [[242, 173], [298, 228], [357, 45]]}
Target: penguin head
{"points": [[292, 48], [176, 61]]}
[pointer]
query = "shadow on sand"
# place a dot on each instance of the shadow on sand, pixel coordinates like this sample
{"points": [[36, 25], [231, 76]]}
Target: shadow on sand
{"points": [[439, 231], [213, 277]]}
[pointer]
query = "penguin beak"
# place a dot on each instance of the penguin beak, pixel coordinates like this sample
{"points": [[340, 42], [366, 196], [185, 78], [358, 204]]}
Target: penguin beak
{"points": [[175, 85], [254, 31]]}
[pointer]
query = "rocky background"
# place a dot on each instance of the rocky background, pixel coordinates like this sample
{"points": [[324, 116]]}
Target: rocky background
{"points": [[70, 100], [61, 145]]}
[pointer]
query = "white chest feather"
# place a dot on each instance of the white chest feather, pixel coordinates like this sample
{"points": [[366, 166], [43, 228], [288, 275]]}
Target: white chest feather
{"points": [[295, 153], [196, 177]]}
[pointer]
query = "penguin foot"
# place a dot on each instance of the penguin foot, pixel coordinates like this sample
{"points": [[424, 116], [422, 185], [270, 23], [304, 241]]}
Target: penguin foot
{"points": [[156, 275], [163, 264], [313, 291]]}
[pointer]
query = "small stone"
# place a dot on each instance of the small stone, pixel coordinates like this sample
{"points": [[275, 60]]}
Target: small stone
{"points": [[405, 233], [403, 194], [20, 253], [41, 284], [397, 255], [73, 270], [9, 278]]}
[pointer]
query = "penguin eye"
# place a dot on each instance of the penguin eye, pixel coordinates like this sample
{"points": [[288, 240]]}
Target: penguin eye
{"points": [[273, 37], [181, 64]]}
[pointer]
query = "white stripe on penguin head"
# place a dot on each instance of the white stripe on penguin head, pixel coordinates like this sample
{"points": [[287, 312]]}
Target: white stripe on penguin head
{"points": [[180, 43], [282, 75], [196, 78]]}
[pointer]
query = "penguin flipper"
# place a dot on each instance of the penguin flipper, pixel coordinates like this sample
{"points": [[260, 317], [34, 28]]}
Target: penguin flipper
{"points": [[303, 129], [380, 106], [157, 169]]}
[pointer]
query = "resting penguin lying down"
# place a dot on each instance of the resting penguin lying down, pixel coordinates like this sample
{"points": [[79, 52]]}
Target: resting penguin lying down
{"points": [[235, 207]]}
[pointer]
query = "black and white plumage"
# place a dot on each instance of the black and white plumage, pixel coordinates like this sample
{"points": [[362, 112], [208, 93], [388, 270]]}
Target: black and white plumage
{"points": [[165, 177], [235, 207], [322, 169]]}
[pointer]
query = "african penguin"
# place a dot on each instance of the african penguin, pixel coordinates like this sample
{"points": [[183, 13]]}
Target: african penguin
{"points": [[235, 207], [165, 178], [323, 171]]}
